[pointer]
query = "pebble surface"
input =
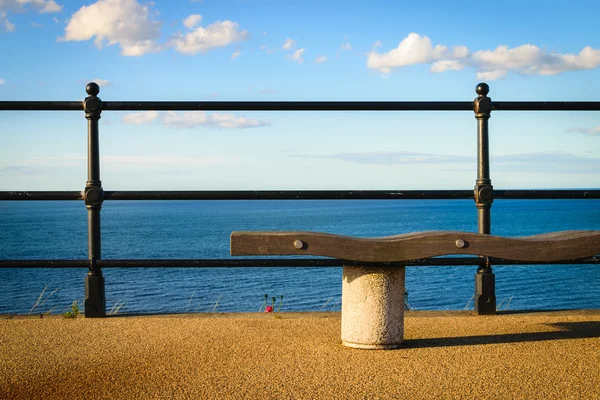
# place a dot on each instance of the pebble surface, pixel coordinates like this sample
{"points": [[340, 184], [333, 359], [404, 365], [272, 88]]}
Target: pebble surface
{"points": [[446, 355]]}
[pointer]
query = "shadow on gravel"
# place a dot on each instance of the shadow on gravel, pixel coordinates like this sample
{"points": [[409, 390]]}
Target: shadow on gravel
{"points": [[568, 330]]}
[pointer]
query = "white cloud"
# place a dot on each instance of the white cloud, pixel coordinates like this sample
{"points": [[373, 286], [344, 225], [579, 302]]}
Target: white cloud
{"points": [[66, 161], [56, 20], [167, 160], [111, 163], [460, 52], [492, 75], [266, 49], [101, 82], [377, 44], [192, 21], [587, 131], [447, 65], [123, 22], [2, 81], [139, 118], [5, 23], [454, 61], [288, 44], [42, 6], [217, 34], [414, 49], [489, 64], [191, 119], [555, 161], [45, 6], [320, 59], [231, 121], [298, 56], [141, 48], [346, 46], [393, 157], [235, 55], [531, 60]]}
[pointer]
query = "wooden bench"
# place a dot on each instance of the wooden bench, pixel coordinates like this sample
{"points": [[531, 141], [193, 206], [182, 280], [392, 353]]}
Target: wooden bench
{"points": [[373, 292]]}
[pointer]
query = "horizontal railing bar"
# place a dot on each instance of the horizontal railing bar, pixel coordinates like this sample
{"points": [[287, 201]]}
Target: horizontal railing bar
{"points": [[546, 105], [289, 106], [44, 263], [271, 262], [290, 195], [535, 194], [300, 105], [305, 195], [37, 195], [41, 106]]}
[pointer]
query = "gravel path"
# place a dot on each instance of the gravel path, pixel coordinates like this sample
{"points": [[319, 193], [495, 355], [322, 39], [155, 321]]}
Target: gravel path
{"points": [[448, 355]]}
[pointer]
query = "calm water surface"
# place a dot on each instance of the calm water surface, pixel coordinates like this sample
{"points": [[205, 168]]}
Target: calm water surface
{"points": [[201, 229]]}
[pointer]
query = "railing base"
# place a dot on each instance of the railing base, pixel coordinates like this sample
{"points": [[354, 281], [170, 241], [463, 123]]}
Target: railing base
{"points": [[485, 292], [373, 307], [95, 298]]}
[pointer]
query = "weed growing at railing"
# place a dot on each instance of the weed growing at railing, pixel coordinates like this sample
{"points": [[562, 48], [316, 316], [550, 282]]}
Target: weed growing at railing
{"points": [[324, 304], [47, 312], [264, 306], [499, 308], [73, 312], [217, 303], [334, 305], [116, 307], [41, 300], [468, 302], [407, 305], [191, 297], [505, 301]]}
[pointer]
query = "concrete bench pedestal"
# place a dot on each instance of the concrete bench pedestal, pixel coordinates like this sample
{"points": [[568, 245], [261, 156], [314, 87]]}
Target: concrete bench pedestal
{"points": [[373, 307]]}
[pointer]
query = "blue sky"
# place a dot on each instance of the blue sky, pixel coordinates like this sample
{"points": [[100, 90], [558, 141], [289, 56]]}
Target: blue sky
{"points": [[302, 50]]}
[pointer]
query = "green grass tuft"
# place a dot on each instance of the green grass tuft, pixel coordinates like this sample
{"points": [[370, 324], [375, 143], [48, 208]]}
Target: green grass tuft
{"points": [[73, 312]]}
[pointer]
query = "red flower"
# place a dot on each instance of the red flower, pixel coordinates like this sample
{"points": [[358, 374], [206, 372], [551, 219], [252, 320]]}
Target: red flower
{"points": [[269, 309]]}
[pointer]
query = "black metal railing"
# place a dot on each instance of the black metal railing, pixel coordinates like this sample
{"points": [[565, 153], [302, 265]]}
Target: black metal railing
{"points": [[94, 195]]}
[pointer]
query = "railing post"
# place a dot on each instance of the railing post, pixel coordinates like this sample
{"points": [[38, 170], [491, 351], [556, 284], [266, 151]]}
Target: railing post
{"points": [[485, 282], [95, 298]]}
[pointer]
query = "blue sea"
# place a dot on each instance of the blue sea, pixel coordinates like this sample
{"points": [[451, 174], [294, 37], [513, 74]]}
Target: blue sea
{"points": [[201, 229]]}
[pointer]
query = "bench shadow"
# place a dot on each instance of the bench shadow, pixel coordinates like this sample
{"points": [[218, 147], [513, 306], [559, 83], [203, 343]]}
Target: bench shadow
{"points": [[568, 330]]}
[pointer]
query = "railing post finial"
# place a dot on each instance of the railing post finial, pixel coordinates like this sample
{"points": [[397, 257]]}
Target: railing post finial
{"points": [[482, 89], [92, 89]]}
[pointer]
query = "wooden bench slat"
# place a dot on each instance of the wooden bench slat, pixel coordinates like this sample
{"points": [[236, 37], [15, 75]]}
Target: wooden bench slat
{"points": [[554, 246]]}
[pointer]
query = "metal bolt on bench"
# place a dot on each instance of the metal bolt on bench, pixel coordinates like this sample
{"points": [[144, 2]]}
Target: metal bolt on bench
{"points": [[373, 273]]}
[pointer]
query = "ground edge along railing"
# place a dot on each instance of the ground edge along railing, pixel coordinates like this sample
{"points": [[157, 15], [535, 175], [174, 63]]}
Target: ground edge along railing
{"points": [[94, 195]]}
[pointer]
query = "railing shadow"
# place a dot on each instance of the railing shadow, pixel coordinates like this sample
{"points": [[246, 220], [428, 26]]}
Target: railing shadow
{"points": [[569, 330]]}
